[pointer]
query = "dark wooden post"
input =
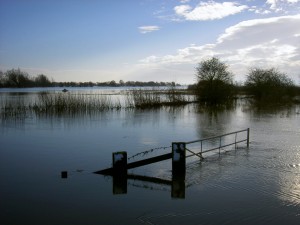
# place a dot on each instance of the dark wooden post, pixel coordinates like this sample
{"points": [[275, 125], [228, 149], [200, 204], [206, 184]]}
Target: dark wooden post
{"points": [[178, 170], [64, 174], [178, 156], [119, 172], [119, 163]]}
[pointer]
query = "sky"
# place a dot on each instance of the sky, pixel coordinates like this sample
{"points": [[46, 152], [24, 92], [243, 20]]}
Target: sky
{"points": [[147, 40]]}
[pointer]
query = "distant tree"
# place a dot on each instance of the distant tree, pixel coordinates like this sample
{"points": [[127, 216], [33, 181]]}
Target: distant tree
{"points": [[42, 81], [214, 84], [2, 79], [17, 78], [113, 83], [269, 84], [121, 83]]}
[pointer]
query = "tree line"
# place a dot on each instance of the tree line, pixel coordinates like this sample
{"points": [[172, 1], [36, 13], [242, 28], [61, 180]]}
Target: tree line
{"points": [[19, 79], [15, 78], [215, 83]]}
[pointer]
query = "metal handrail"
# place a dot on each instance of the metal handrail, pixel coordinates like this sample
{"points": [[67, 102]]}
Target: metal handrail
{"points": [[220, 142], [223, 135]]}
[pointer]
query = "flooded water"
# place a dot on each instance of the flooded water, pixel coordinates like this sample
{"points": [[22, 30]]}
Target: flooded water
{"points": [[255, 185]]}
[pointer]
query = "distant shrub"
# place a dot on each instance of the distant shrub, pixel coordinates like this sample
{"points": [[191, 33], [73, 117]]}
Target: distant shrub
{"points": [[269, 84], [42, 81]]}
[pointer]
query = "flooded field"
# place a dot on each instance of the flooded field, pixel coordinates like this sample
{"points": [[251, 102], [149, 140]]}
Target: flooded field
{"points": [[255, 185]]}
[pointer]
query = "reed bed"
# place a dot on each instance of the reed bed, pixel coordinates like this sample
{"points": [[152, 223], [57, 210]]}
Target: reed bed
{"points": [[72, 103], [16, 109], [157, 98], [54, 104], [144, 98]]}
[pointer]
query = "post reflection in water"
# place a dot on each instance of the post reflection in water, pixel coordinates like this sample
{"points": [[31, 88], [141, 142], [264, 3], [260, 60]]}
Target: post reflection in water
{"points": [[119, 184], [177, 184]]}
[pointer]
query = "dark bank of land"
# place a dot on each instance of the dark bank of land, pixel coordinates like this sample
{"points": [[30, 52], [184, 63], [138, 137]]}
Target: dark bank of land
{"points": [[15, 78]]}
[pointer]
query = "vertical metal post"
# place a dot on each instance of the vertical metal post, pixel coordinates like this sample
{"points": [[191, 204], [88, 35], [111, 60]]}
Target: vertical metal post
{"points": [[235, 140], [201, 147], [248, 137], [220, 145]]}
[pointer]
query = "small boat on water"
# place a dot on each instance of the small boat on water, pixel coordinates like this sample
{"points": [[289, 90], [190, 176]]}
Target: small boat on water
{"points": [[64, 90]]}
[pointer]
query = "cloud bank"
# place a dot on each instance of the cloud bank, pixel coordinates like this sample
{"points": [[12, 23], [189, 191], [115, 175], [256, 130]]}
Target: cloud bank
{"points": [[277, 4], [271, 42]]}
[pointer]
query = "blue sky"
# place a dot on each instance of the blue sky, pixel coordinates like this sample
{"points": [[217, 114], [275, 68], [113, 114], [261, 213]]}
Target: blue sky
{"points": [[147, 40]]}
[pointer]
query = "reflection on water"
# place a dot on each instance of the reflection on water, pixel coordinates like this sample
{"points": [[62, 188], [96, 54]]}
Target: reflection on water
{"points": [[259, 185], [176, 186]]}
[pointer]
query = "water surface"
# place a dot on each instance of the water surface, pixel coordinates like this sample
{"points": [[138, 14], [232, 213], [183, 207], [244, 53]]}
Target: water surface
{"points": [[255, 185]]}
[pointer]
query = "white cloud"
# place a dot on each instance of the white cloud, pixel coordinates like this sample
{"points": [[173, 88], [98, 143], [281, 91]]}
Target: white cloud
{"points": [[148, 29], [277, 4], [209, 10], [271, 42], [184, 1], [150, 59], [272, 3], [190, 54], [261, 11]]}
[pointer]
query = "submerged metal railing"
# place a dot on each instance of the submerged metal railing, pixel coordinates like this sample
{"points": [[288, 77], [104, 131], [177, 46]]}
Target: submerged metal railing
{"points": [[178, 156], [179, 150], [221, 145]]}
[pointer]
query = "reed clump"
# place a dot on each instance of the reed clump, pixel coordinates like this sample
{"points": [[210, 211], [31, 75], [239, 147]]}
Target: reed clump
{"points": [[72, 103], [178, 97], [142, 98]]}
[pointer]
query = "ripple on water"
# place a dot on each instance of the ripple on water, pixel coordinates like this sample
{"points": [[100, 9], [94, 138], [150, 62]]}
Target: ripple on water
{"points": [[268, 173]]}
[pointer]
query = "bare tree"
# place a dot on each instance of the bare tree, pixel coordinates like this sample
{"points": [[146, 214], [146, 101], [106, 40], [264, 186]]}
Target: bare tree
{"points": [[214, 81], [2, 78], [212, 70], [268, 83], [17, 78], [42, 81]]}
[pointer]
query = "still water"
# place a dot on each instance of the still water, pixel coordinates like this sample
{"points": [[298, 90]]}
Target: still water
{"points": [[255, 185]]}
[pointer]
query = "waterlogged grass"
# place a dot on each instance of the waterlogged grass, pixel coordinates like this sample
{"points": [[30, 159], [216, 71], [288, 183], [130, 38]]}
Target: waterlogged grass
{"points": [[75, 104], [16, 109], [154, 98], [144, 98], [71, 104]]}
